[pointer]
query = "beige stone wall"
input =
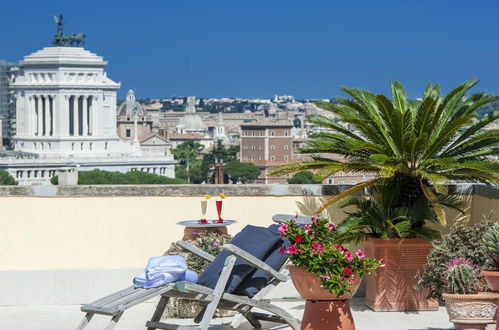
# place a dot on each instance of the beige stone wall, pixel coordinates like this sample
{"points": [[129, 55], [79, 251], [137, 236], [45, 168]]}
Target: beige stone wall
{"points": [[118, 232]]}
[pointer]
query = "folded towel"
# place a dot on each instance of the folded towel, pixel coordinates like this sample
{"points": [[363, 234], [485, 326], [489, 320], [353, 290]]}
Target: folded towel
{"points": [[162, 270]]}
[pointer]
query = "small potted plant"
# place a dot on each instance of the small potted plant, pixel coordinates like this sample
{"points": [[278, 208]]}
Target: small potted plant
{"points": [[468, 308], [491, 240], [325, 273]]}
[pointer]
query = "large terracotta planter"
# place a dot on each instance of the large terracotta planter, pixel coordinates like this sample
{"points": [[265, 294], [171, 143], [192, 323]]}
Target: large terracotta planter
{"points": [[392, 287], [323, 309], [471, 311], [492, 278]]}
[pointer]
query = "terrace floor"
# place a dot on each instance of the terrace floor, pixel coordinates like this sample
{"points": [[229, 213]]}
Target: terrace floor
{"points": [[58, 317]]}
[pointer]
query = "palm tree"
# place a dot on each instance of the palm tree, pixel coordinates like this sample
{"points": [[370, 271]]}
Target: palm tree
{"points": [[423, 143]]}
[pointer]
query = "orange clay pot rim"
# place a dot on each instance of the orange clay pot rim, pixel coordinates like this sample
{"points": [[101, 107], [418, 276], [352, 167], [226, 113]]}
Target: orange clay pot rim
{"points": [[490, 272], [477, 296]]}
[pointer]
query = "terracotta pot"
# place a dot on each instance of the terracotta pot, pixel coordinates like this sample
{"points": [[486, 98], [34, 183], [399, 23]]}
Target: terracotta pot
{"points": [[471, 311], [323, 309], [392, 288], [309, 285], [492, 278]]}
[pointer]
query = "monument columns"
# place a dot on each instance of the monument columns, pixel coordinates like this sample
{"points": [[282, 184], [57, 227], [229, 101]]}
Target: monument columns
{"points": [[46, 110], [84, 119], [90, 115], [39, 117]]}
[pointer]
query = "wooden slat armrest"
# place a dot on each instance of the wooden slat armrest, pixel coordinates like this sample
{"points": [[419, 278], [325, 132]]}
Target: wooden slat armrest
{"points": [[254, 261], [197, 251]]}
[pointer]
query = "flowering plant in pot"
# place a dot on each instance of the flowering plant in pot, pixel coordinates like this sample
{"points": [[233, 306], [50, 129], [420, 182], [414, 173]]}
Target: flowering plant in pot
{"points": [[324, 272], [313, 248], [466, 305], [491, 240]]}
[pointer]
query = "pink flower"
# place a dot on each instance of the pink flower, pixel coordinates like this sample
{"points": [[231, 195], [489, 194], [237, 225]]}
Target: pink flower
{"points": [[215, 244], [347, 271], [348, 256], [298, 239], [332, 227], [307, 226], [314, 219], [282, 250], [292, 249], [325, 277], [351, 280], [332, 260], [203, 221], [339, 247], [283, 228], [317, 247], [360, 254], [309, 232]]}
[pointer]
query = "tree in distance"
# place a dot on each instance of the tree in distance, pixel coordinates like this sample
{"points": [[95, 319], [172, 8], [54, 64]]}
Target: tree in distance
{"points": [[244, 172], [303, 177], [6, 179], [133, 177]]}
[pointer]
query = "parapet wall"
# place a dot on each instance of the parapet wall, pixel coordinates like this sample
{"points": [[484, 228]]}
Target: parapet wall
{"points": [[89, 236]]}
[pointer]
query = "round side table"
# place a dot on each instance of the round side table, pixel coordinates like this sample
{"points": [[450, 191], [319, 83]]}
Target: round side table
{"points": [[192, 226]]}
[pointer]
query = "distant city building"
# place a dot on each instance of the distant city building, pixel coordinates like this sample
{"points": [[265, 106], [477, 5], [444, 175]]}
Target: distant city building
{"points": [[133, 122], [191, 123], [283, 98], [267, 146], [66, 118]]}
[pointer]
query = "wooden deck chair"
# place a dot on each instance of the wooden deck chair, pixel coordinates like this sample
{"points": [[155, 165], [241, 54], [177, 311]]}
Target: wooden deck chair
{"points": [[210, 298]]}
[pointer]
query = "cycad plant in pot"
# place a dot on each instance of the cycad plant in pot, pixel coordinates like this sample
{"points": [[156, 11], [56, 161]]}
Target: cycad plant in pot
{"points": [[491, 241], [468, 308], [420, 144], [397, 235]]}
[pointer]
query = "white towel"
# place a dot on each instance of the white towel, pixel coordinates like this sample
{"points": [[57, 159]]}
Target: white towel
{"points": [[162, 270]]}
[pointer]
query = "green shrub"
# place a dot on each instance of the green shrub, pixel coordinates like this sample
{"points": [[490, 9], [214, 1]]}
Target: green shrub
{"points": [[491, 240], [6, 179], [462, 241], [132, 177]]}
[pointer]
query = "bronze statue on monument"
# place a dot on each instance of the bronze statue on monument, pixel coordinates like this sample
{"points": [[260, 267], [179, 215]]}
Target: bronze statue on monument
{"points": [[62, 40]]}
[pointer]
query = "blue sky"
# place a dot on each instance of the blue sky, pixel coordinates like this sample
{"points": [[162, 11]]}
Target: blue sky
{"points": [[260, 48]]}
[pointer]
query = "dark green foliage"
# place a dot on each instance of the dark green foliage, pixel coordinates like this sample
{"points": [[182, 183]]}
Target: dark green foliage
{"points": [[133, 177], [491, 241], [244, 172], [462, 241], [219, 152], [381, 215], [425, 143], [303, 177], [6, 179], [187, 151]]}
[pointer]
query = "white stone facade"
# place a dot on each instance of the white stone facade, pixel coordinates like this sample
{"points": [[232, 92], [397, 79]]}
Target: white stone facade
{"points": [[66, 115]]}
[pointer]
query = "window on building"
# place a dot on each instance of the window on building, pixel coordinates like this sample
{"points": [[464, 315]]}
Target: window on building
{"points": [[272, 147], [286, 147], [272, 133], [245, 147], [252, 157], [342, 181], [253, 147], [128, 132], [286, 133], [285, 157], [261, 147], [330, 181], [272, 157], [353, 182]]}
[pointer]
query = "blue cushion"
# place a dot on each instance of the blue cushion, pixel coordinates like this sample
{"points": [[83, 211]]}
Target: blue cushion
{"points": [[258, 279], [257, 241]]}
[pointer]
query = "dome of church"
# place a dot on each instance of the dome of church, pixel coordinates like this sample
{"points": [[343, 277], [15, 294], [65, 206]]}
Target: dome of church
{"points": [[130, 107], [191, 122]]}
